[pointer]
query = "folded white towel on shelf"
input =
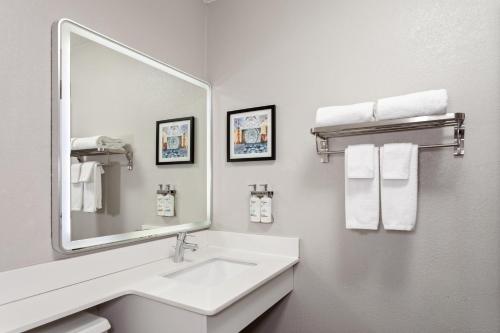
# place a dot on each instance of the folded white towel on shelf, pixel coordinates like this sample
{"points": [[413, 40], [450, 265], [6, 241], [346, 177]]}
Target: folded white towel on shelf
{"points": [[362, 198], [90, 176], [398, 195], [76, 190], [345, 114], [400, 156], [425, 103], [94, 142]]}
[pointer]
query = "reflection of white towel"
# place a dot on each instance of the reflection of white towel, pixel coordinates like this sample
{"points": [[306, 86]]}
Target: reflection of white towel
{"points": [[90, 176], [76, 187], [94, 142], [362, 194], [399, 196], [344, 114], [425, 103]]}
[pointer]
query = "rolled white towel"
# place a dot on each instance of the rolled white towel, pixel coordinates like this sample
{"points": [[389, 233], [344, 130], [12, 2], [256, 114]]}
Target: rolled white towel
{"points": [[345, 114], [425, 103], [94, 142]]}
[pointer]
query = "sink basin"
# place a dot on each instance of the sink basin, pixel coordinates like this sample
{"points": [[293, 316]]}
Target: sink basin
{"points": [[211, 272]]}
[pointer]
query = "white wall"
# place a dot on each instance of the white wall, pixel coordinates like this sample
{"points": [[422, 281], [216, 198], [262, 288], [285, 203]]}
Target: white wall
{"points": [[300, 55], [172, 31]]}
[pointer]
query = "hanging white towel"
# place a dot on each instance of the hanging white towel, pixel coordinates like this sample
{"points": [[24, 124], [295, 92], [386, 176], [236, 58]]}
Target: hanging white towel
{"points": [[399, 195], [360, 164], [90, 176], [425, 103], [362, 198], [345, 114], [76, 187], [400, 156], [94, 142]]}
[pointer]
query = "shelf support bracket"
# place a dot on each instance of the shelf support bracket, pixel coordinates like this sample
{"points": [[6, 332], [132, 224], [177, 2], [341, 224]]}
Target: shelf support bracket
{"points": [[459, 138], [322, 149]]}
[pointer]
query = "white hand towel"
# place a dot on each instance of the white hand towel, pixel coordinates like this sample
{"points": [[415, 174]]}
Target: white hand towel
{"points": [[399, 196], [76, 192], [87, 171], [400, 156], [345, 114], [92, 186], [94, 142], [360, 161], [362, 195], [425, 103]]}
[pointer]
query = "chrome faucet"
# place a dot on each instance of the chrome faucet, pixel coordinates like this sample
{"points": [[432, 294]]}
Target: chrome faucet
{"points": [[182, 245]]}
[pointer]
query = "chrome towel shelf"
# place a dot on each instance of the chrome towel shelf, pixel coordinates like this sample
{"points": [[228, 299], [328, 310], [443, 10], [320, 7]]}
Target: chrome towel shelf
{"points": [[455, 120], [79, 154]]}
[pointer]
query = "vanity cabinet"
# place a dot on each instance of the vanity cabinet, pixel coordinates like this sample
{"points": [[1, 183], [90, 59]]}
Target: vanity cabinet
{"points": [[134, 313]]}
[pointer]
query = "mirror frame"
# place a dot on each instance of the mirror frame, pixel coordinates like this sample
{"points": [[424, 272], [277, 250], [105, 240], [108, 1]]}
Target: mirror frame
{"points": [[61, 147]]}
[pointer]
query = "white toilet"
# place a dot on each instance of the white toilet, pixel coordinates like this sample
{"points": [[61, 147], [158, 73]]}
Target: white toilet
{"points": [[83, 322]]}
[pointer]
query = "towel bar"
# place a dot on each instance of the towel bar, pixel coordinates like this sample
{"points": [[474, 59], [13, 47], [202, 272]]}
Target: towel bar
{"points": [[105, 151], [322, 134]]}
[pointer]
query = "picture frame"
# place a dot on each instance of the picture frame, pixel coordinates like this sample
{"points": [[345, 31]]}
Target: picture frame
{"points": [[251, 134], [175, 141]]}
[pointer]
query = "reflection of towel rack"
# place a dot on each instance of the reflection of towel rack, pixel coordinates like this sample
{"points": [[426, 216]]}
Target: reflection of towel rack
{"points": [[79, 154], [456, 120]]}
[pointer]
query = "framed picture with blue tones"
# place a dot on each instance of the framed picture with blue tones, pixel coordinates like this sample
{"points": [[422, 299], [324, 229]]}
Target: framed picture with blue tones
{"points": [[175, 141], [251, 134]]}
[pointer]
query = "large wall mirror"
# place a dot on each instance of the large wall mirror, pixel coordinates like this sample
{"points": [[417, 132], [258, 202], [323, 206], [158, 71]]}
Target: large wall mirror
{"points": [[124, 124]]}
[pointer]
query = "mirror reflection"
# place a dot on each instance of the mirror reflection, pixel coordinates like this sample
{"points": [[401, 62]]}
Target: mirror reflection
{"points": [[138, 144]]}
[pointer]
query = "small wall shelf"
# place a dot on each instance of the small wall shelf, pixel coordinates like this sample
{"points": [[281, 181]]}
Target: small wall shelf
{"points": [[79, 154], [455, 120]]}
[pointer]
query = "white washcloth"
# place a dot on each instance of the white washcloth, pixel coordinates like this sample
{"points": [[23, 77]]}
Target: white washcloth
{"points": [[94, 142], [360, 161], [90, 176], [362, 198], [76, 192], [400, 156], [399, 196], [425, 103], [345, 114]]}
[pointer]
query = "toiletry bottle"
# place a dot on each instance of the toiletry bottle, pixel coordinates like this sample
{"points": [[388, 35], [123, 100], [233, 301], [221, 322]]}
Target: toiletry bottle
{"points": [[266, 207], [160, 201], [169, 202], [254, 205]]}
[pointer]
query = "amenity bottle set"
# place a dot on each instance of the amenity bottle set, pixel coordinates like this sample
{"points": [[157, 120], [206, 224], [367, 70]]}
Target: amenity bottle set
{"points": [[261, 204], [165, 200]]}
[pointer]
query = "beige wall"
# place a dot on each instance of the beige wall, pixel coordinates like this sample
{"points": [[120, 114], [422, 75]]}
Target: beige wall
{"points": [[172, 31], [444, 276], [115, 95]]}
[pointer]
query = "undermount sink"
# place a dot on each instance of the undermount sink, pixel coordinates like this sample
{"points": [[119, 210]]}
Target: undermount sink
{"points": [[210, 272]]}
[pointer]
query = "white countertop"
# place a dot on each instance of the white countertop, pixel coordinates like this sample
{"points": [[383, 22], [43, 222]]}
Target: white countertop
{"points": [[272, 256]]}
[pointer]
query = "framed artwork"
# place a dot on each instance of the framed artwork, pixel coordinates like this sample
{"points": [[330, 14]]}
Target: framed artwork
{"points": [[175, 141], [251, 134]]}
